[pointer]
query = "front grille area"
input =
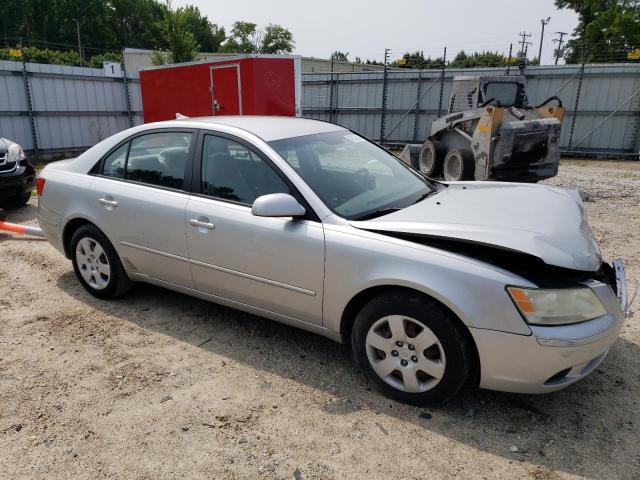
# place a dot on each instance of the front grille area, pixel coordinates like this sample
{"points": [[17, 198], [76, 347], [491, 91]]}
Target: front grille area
{"points": [[6, 166]]}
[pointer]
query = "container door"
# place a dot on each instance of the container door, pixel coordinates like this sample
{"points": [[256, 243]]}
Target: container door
{"points": [[226, 94]]}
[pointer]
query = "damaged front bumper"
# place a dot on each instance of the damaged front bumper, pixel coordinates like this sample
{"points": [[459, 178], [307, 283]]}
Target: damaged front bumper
{"points": [[552, 357]]}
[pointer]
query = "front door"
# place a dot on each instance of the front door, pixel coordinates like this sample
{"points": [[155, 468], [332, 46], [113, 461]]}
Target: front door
{"points": [[276, 264], [226, 90]]}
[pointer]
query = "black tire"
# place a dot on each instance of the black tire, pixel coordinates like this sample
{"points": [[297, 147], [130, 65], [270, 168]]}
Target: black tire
{"points": [[457, 355], [118, 282], [431, 158], [19, 200], [22, 199], [459, 164]]}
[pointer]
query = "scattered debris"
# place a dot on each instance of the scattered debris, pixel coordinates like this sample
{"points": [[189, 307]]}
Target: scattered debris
{"points": [[513, 449], [382, 429], [205, 342], [426, 415], [166, 399], [297, 474]]}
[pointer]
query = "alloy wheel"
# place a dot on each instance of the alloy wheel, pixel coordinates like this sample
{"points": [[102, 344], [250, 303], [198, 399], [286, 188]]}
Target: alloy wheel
{"points": [[93, 263], [405, 353]]}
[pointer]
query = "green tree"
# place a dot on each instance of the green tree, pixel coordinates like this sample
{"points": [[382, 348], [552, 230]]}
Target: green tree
{"points": [[416, 60], [208, 35], [340, 56], [276, 39], [608, 30], [181, 42], [244, 38], [479, 60]]}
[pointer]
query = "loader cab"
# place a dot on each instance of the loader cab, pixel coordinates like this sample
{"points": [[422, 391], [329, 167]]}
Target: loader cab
{"points": [[469, 92], [503, 91]]}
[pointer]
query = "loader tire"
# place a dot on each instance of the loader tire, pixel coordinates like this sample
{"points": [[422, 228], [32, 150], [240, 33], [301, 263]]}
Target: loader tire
{"points": [[459, 164], [431, 158]]}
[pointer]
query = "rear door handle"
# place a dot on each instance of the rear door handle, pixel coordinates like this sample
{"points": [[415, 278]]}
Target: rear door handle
{"points": [[109, 202], [202, 223]]}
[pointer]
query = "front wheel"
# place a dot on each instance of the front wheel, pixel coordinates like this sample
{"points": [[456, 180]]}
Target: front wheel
{"points": [[97, 265], [411, 348]]}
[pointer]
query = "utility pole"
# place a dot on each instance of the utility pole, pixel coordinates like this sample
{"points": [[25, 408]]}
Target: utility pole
{"points": [[524, 43], [385, 82], [79, 44], [560, 41], [544, 23]]}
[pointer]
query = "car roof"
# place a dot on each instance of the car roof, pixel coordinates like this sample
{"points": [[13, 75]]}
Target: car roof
{"points": [[271, 128]]}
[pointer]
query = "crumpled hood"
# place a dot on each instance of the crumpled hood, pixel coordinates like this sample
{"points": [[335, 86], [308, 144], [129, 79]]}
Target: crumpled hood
{"points": [[547, 222]]}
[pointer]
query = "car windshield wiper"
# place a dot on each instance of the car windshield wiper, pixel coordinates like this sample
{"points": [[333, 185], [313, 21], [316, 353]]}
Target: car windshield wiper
{"points": [[424, 195], [376, 213]]}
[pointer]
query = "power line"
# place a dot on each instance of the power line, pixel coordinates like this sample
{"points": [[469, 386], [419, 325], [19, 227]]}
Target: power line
{"points": [[524, 44], [559, 41]]}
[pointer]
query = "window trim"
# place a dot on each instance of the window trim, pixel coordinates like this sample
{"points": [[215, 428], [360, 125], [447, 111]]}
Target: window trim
{"points": [[188, 169], [196, 174]]}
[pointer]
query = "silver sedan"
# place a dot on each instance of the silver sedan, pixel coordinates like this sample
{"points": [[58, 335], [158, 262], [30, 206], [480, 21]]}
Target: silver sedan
{"points": [[433, 284]]}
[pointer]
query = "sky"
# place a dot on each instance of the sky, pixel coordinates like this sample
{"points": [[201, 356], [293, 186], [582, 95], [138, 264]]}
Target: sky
{"points": [[364, 28]]}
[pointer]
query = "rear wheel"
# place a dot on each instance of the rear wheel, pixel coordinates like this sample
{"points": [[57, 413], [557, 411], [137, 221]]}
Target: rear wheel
{"points": [[97, 265], [411, 348], [431, 158], [459, 164]]}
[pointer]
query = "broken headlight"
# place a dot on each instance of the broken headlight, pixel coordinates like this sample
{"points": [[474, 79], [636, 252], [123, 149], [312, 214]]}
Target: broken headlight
{"points": [[556, 306]]}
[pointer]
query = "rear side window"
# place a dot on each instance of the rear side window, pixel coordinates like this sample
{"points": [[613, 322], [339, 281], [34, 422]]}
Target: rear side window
{"points": [[159, 159], [155, 159], [114, 164]]}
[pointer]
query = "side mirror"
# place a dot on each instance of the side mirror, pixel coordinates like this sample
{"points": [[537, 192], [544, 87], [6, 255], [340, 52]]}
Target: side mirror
{"points": [[277, 205]]}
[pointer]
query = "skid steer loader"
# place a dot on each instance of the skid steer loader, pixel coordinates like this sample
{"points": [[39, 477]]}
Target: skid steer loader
{"points": [[491, 133]]}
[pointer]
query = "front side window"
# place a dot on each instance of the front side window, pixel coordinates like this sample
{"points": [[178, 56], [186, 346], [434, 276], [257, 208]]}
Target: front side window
{"points": [[233, 172], [354, 178], [155, 159], [159, 159]]}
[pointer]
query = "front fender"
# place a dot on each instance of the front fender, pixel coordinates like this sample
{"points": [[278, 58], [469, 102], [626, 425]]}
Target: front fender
{"points": [[357, 260]]}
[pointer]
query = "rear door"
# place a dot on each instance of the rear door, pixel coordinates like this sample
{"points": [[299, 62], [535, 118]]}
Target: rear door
{"points": [[140, 199], [226, 90], [276, 264]]}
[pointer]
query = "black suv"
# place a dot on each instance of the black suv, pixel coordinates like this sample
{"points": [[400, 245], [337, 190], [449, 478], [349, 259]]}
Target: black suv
{"points": [[17, 175]]}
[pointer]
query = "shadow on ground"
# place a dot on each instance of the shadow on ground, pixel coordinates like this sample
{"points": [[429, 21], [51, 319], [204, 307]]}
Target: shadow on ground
{"points": [[552, 431]]}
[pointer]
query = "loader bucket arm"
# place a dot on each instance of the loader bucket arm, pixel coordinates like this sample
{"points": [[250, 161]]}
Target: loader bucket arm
{"points": [[488, 127]]}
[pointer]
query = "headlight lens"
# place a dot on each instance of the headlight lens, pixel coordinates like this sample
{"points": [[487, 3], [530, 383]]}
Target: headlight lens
{"points": [[556, 307], [15, 153]]}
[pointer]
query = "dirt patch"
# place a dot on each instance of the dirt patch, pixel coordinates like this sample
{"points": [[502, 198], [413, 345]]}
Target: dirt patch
{"points": [[160, 385]]}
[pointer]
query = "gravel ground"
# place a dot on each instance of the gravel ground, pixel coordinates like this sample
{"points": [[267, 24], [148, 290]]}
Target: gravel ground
{"points": [[159, 385]]}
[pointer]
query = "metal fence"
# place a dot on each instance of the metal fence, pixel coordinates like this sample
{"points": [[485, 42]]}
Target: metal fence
{"points": [[55, 109], [602, 101], [50, 109]]}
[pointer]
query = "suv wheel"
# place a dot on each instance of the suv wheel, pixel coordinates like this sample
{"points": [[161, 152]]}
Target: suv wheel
{"points": [[411, 348], [97, 265]]}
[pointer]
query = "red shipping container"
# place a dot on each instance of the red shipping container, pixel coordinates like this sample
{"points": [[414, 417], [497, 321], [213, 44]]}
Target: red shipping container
{"points": [[236, 85]]}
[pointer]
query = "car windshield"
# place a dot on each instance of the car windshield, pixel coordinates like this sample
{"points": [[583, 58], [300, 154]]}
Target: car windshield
{"points": [[355, 178], [503, 92]]}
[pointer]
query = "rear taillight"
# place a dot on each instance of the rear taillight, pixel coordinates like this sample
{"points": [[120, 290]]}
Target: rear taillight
{"points": [[40, 186]]}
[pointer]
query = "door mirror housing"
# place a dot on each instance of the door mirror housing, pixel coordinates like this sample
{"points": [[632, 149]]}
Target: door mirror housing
{"points": [[277, 205]]}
